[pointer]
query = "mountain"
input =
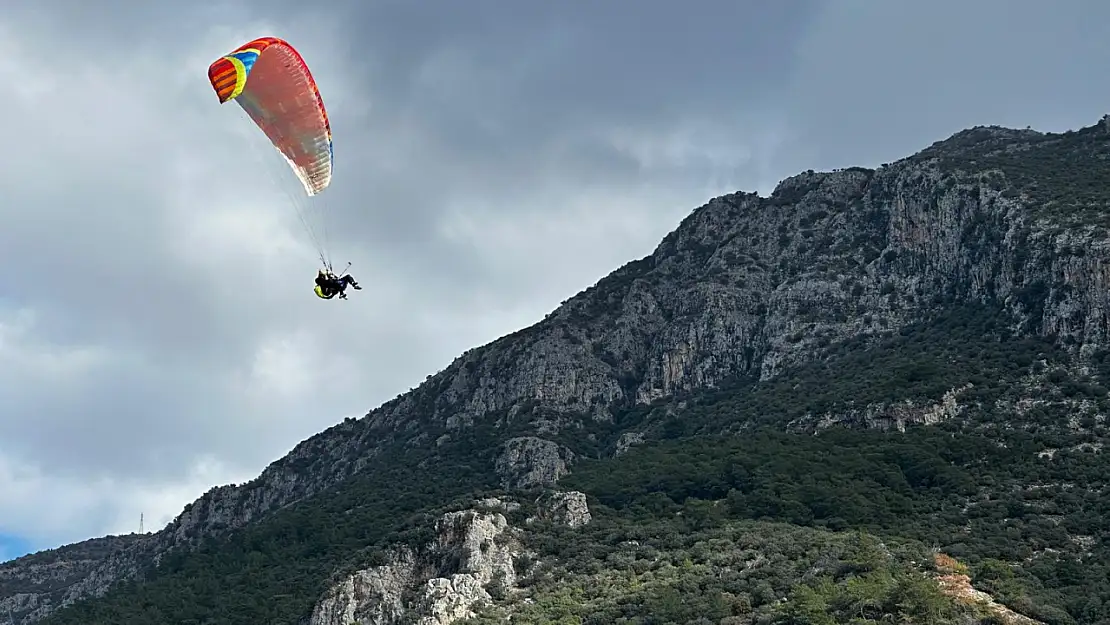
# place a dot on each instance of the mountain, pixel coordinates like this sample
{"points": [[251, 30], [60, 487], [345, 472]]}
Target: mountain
{"points": [[873, 392]]}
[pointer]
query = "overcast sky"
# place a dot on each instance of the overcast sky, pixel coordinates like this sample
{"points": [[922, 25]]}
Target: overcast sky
{"points": [[158, 333]]}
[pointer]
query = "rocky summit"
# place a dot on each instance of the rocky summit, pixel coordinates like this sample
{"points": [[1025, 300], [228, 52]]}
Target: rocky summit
{"points": [[878, 395]]}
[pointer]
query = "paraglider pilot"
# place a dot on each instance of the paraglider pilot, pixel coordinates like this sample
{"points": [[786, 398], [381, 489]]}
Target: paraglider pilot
{"points": [[328, 285]]}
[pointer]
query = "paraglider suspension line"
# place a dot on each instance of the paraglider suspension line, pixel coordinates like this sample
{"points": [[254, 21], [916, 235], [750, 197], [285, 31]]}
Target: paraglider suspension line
{"points": [[301, 206]]}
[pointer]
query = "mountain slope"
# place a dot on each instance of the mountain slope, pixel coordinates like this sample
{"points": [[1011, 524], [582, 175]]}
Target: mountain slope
{"points": [[977, 269]]}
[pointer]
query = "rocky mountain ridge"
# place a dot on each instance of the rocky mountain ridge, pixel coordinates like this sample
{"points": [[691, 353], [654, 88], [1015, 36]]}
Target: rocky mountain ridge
{"points": [[745, 287]]}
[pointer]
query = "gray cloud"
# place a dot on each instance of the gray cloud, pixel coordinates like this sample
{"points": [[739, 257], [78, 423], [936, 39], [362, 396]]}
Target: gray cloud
{"points": [[875, 80], [157, 333]]}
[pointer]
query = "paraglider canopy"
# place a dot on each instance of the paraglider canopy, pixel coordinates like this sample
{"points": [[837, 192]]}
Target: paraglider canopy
{"points": [[271, 81]]}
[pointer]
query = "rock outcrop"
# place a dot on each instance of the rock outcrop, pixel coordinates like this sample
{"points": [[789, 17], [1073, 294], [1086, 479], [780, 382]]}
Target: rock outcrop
{"points": [[565, 507], [889, 416], [529, 461], [471, 561], [627, 441], [369, 596], [954, 581]]}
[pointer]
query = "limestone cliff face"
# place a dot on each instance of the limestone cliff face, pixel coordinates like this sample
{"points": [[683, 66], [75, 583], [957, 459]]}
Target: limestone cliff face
{"points": [[745, 286], [529, 461], [470, 561], [28, 583], [749, 285]]}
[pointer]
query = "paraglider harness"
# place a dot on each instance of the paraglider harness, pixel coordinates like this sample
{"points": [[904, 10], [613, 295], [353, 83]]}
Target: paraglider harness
{"points": [[328, 284]]}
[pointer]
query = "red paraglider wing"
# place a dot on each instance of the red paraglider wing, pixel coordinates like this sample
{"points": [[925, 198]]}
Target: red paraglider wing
{"points": [[270, 80]]}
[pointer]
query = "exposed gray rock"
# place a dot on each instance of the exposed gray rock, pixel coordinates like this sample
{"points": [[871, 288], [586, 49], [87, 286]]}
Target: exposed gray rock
{"points": [[35, 585], [497, 503], [369, 596], [894, 416], [529, 461], [627, 441], [478, 549], [447, 600], [566, 507]]}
